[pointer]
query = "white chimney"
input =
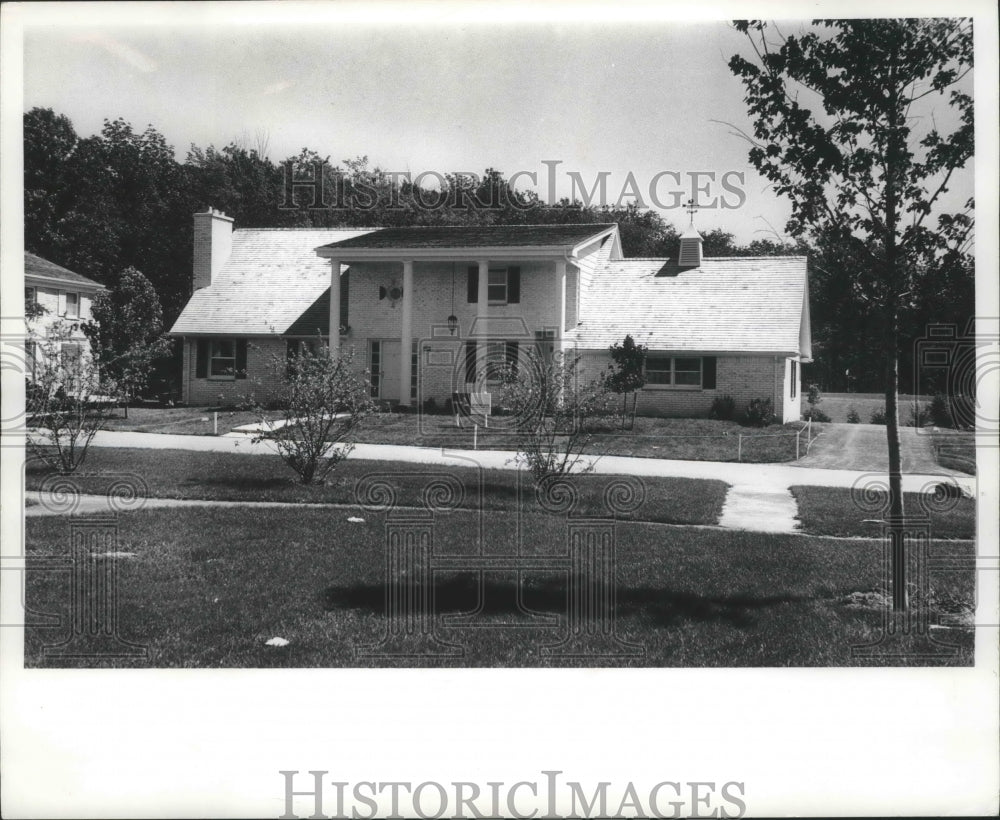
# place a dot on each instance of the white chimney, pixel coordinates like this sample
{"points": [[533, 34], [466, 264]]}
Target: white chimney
{"points": [[213, 242], [690, 254]]}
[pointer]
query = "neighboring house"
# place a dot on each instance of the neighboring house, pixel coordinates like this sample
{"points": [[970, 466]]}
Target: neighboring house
{"points": [[428, 310], [66, 298]]}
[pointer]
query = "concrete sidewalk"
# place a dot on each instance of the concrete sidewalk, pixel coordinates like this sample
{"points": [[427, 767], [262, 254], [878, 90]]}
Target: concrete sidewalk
{"points": [[764, 475]]}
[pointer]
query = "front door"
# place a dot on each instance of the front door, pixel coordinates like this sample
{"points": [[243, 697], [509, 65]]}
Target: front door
{"points": [[388, 370]]}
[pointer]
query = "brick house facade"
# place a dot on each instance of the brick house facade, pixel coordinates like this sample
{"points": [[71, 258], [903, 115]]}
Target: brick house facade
{"points": [[424, 309]]}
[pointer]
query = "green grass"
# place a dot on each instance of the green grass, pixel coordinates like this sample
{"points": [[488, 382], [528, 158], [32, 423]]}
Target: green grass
{"points": [[239, 477], [207, 587], [833, 511], [688, 439], [954, 449]]}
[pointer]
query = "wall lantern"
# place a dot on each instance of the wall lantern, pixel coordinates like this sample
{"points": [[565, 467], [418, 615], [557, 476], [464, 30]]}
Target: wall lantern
{"points": [[452, 324]]}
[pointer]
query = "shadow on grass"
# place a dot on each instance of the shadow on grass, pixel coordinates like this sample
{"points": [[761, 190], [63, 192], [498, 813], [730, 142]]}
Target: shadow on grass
{"points": [[466, 593]]}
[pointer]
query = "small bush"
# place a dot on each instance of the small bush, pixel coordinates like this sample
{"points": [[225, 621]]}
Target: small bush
{"points": [[878, 416], [430, 406], [759, 413], [853, 417], [723, 408], [919, 416], [814, 396], [941, 411], [815, 414]]}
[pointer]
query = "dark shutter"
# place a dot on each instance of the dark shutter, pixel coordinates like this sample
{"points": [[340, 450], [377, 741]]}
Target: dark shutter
{"points": [[473, 284], [513, 285], [241, 358], [345, 292], [512, 357], [201, 366], [708, 372], [470, 361]]}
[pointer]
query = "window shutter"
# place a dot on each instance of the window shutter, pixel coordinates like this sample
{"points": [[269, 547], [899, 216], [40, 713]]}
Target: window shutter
{"points": [[201, 365], [473, 284], [513, 285], [708, 373], [345, 292], [512, 357], [470, 361], [241, 358]]}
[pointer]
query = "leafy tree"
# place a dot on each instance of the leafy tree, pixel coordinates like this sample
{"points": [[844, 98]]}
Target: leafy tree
{"points": [[322, 398], [126, 332], [845, 124], [67, 400], [626, 374]]}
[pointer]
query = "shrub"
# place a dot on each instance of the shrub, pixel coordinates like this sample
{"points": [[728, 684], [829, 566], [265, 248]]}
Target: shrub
{"points": [[759, 413], [815, 414], [723, 408], [322, 399], [814, 397], [430, 406], [552, 410], [853, 417], [878, 416], [919, 416], [941, 411]]}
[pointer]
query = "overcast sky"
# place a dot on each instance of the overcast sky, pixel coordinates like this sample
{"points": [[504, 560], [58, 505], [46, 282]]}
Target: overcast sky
{"points": [[629, 97]]}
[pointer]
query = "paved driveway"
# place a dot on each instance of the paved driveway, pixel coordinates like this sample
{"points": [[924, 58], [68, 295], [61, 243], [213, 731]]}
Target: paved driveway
{"points": [[863, 447]]}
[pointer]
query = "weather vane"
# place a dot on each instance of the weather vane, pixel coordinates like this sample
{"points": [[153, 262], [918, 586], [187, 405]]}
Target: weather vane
{"points": [[692, 209]]}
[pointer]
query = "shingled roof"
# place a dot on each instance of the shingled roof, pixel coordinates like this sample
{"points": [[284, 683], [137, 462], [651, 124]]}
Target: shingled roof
{"points": [[271, 277], [36, 267], [484, 236], [726, 305]]}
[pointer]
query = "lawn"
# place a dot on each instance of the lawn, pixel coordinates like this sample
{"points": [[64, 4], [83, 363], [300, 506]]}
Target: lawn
{"points": [[838, 405], [190, 421], [834, 511], [209, 587], [693, 439], [688, 439], [238, 477]]}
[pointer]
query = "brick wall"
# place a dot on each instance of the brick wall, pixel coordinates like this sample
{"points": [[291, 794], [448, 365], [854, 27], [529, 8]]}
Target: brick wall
{"points": [[742, 377]]}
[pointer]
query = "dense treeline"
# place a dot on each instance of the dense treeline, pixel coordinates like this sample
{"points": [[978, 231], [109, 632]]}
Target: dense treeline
{"points": [[119, 199]]}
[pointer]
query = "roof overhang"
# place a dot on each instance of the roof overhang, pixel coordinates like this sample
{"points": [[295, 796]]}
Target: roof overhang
{"points": [[71, 284], [449, 254]]}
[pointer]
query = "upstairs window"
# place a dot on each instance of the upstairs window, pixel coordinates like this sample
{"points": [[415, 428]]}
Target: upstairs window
{"points": [[497, 288], [503, 285], [72, 305]]}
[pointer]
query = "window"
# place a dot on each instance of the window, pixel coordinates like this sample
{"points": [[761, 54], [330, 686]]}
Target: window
{"points": [[674, 371], [545, 344], [375, 367], [222, 358], [72, 305], [795, 377], [69, 356], [496, 291], [30, 296], [31, 359], [414, 371]]}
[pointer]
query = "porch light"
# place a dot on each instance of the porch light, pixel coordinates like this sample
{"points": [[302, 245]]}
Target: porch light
{"points": [[452, 324]]}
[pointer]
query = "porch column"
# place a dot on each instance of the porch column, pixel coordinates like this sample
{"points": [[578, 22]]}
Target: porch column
{"points": [[334, 342], [406, 336], [561, 302], [482, 323]]}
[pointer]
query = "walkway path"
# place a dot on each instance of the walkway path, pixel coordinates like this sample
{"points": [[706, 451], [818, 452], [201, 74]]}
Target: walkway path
{"points": [[758, 499]]}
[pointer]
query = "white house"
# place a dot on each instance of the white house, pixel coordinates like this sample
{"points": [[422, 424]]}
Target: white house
{"points": [[426, 308], [66, 298]]}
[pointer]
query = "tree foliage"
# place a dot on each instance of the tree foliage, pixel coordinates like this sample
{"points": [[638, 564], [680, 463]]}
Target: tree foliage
{"points": [[846, 122], [626, 373]]}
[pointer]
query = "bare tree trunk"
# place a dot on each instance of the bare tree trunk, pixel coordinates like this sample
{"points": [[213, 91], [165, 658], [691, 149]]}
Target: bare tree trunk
{"points": [[900, 598]]}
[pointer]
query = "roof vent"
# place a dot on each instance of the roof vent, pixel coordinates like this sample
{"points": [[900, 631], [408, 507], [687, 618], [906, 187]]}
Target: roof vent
{"points": [[690, 252]]}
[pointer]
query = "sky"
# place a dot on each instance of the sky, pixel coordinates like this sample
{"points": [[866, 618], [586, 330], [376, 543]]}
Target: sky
{"points": [[654, 99]]}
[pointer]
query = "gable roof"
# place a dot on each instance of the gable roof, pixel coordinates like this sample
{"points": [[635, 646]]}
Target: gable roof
{"points": [[727, 305], [272, 276], [42, 269], [555, 239]]}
